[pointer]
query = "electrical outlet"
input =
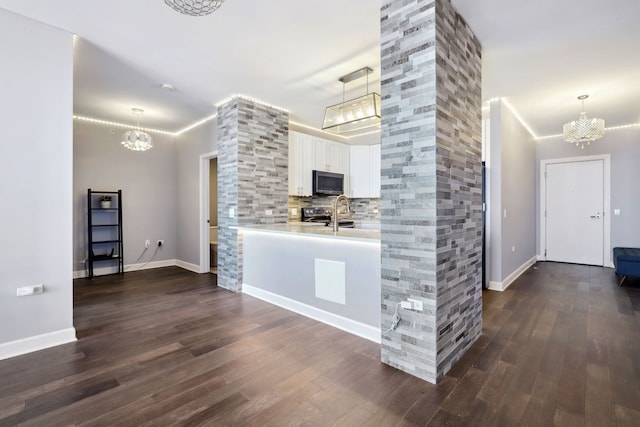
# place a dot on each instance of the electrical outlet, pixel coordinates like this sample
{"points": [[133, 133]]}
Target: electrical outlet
{"points": [[268, 212], [294, 211], [30, 290], [147, 243], [416, 304], [231, 213], [405, 304], [160, 242]]}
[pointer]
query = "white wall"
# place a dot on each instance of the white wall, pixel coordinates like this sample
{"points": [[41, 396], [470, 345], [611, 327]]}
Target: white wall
{"points": [[190, 147], [148, 183], [36, 107], [624, 147], [493, 164], [512, 169]]}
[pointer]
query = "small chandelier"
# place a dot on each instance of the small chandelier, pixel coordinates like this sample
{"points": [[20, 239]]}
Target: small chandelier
{"points": [[584, 129], [137, 140], [355, 114], [194, 7]]}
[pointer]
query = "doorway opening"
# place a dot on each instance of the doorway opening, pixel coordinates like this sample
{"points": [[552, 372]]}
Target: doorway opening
{"points": [[209, 213]]}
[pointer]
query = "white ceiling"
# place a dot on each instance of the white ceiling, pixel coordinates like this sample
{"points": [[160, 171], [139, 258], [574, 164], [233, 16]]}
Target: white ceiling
{"points": [[539, 55]]}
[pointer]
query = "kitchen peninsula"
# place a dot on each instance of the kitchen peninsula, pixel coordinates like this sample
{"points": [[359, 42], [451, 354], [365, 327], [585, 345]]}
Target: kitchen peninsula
{"points": [[309, 269]]}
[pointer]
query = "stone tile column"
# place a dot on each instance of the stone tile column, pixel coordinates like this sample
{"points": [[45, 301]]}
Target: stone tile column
{"points": [[431, 206], [253, 145]]}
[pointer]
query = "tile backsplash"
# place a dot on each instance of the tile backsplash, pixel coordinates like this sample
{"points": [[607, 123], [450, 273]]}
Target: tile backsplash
{"points": [[362, 209]]}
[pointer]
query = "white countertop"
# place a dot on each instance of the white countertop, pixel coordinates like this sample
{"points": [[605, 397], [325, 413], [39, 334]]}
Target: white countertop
{"points": [[366, 233]]}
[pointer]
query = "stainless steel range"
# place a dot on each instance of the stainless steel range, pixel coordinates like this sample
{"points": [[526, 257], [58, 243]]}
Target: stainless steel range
{"points": [[316, 214], [323, 215]]}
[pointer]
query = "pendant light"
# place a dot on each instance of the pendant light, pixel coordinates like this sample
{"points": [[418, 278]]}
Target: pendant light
{"points": [[136, 139], [356, 114], [583, 129]]}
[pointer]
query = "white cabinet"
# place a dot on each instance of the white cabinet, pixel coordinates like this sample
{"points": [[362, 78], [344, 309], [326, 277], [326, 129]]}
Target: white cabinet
{"points": [[308, 153], [301, 154], [374, 156], [337, 157], [331, 156], [364, 170]]}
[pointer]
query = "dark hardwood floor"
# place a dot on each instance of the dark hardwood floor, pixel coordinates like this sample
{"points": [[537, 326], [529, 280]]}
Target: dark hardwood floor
{"points": [[167, 347]]}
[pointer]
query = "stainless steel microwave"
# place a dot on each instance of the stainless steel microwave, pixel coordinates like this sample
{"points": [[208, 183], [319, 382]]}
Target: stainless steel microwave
{"points": [[328, 183]]}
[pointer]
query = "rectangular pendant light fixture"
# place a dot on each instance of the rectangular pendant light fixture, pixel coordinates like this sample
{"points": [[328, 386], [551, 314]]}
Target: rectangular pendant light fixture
{"points": [[355, 114]]}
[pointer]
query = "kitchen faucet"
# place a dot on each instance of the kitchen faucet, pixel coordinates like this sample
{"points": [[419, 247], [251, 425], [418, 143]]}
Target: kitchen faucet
{"points": [[335, 211]]}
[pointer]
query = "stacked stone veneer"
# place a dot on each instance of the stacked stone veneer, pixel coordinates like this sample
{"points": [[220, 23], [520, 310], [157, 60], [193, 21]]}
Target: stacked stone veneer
{"points": [[253, 145], [431, 203]]}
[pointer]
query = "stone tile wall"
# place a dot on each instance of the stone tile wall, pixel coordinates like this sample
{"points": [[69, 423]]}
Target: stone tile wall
{"points": [[253, 175], [430, 205]]}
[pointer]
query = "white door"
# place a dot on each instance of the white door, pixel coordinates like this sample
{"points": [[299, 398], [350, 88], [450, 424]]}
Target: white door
{"points": [[574, 212]]}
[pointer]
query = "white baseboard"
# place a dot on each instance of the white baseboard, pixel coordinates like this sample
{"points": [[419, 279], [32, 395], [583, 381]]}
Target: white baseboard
{"points": [[150, 265], [188, 266], [79, 274], [501, 286], [357, 328], [37, 342]]}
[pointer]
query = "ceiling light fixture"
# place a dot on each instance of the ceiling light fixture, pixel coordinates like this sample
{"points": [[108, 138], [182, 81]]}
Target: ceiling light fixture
{"points": [[194, 7], [136, 139], [583, 129], [355, 114]]}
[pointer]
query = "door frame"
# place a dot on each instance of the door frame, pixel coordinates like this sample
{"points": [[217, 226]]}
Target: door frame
{"points": [[606, 203], [205, 266]]}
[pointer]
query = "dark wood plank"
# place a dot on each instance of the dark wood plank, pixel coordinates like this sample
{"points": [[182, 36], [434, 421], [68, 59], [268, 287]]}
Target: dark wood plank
{"points": [[167, 347], [599, 404]]}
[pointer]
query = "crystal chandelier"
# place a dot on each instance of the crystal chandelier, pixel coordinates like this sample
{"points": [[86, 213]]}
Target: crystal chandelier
{"points": [[355, 114], [583, 129], [137, 140], [194, 7]]}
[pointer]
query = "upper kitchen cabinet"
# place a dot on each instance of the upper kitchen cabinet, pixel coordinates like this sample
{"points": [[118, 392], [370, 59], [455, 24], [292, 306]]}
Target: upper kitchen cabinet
{"points": [[301, 155], [374, 156], [331, 156], [364, 161], [308, 153]]}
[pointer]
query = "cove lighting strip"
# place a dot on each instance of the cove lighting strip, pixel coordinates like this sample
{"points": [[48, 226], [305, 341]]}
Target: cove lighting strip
{"points": [[520, 119], [122, 125], [256, 101], [196, 124], [215, 115], [557, 135]]}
